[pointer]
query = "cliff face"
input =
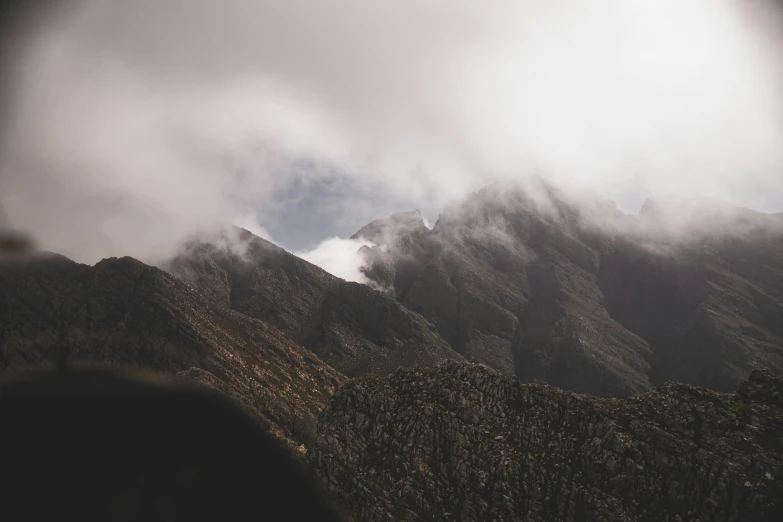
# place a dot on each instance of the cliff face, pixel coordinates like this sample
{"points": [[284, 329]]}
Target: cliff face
{"points": [[350, 326], [122, 312], [569, 290], [464, 442]]}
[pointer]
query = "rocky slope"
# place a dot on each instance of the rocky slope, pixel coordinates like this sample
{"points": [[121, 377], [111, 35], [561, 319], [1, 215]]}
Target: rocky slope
{"points": [[122, 312], [543, 285], [352, 327], [465, 442]]}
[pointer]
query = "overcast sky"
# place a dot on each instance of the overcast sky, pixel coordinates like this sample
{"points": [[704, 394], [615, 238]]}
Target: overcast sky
{"points": [[130, 124]]}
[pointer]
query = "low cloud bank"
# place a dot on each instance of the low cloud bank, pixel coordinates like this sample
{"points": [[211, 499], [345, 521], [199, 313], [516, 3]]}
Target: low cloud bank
{"points": [[128, 126]]}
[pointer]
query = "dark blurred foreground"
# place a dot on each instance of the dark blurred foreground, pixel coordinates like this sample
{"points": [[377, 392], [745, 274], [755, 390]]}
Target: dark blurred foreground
{"points": [[110, 445], [13, 243]]}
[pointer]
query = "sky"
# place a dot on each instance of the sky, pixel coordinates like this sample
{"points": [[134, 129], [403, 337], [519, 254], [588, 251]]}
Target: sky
{"points": [[128, 126]]}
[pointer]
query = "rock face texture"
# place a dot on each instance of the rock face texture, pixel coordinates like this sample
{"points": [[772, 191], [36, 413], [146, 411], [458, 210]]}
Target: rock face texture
{"points": [[350, 326], [465, 442], [568, 290], [122, 312]]}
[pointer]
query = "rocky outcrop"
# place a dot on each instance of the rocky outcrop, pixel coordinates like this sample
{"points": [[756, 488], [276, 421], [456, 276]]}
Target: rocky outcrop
{"points": [[465, 442], [352, 327], [122, 312]]}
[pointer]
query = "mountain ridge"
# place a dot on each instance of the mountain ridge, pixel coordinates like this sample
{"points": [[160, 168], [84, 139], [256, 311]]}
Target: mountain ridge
{"points": [[348, 325], [545, 284]]}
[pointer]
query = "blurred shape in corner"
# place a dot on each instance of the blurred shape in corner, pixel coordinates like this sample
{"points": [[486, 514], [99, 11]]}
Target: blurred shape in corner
{"points": [[13, 243]]}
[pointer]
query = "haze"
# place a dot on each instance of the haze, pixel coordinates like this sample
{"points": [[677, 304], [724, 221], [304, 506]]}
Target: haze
{"points": [[132, 125]]}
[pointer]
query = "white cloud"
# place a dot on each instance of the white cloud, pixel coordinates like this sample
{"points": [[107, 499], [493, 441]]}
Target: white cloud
{"points": [[339, 257], [137, 123]]}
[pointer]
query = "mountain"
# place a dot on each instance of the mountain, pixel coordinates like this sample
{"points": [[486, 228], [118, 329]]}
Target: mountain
{"points": [[353, 328], [464, 442], [420, 397], [546, 285], [122, 312]]}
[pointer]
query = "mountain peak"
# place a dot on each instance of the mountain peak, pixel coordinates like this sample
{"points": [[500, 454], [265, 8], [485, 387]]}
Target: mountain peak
{"points": [[393, 230]]}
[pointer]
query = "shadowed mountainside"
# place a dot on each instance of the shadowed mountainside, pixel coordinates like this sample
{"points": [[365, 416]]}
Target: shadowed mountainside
{"points": [[569, 290]]}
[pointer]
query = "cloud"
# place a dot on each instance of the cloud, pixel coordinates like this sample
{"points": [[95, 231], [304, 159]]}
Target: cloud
{"points": [[339, 257], [250, 222], [135, 124]]}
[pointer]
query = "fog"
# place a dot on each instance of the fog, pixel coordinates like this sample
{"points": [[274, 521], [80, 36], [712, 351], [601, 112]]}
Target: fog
{"points": [[339, 257], [129, 126]]}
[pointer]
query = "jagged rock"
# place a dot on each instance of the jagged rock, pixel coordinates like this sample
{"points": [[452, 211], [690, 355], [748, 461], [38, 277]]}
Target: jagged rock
{"points": [[762, 386], [465, 442]]}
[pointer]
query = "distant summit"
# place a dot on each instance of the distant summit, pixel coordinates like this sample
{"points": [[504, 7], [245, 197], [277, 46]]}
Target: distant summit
{"points": [[391, 230]]}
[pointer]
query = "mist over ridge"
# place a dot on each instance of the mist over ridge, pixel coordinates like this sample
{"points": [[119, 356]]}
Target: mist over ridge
{"points": [[136, 125]]}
